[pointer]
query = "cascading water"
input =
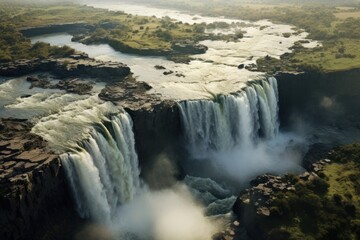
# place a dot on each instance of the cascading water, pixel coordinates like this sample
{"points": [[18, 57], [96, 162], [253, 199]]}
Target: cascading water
{"points": [[236, 137], [232, 120], [101, 165], [103, 172]]}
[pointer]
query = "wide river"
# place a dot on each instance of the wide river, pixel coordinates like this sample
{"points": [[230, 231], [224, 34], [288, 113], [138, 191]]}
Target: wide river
{"points": [[214, 72]]}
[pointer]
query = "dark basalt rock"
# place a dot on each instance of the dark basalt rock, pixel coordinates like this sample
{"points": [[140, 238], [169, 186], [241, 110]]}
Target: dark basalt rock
{"points": [[157, 126], [241, 66], [252, 67], [179, 75], [316, 151], [39, 82], [129, 93], [76, 27], [168, 72], [76, 65], [158, 67], [75, 86], [254, 204], [32, 184], [25, 96], [189, 47], [331, 97], [72, 85]]}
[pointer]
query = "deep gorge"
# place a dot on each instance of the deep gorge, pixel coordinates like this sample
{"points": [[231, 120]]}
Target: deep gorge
{"points": [[130, 144], [161, 131]]}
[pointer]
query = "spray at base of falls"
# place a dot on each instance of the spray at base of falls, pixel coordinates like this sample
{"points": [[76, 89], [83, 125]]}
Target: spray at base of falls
{"points": [[102, 164], [103, 173], [236, 137], [104, 176]]}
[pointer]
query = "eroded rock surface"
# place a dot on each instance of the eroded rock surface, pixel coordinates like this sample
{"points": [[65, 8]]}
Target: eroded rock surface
{"points": [[129, 93], [76, 65], [31, 181], [72, 85]]}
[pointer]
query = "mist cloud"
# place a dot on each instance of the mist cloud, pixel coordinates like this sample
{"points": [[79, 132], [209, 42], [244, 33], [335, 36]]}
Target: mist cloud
{"points": [[164, 215], [236, 167]]}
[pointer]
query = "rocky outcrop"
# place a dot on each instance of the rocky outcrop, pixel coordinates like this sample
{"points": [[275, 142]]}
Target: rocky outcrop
{"points": [[71, 85], [75, 65], [73, 28], [254, 204], [233, 232], [189, 47], [32, 182], [130, 94], [125, 48], [178, 48]]}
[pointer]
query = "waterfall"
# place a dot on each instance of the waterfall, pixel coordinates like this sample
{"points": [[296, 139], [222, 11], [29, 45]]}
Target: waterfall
{"points": [[103, 172], [233, 120]]}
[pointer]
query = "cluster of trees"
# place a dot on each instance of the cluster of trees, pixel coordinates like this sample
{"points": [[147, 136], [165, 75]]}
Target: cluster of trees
{"points": [[347, 153], [349, 28], [13, 46], [311, 212]]}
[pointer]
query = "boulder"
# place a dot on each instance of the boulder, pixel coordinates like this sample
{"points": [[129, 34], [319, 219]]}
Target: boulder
{"points": [[168, 72], [158, 67], [241, 66]]}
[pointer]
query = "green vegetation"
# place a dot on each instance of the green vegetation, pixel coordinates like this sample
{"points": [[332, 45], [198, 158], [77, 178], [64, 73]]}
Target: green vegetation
{"points": [[13, 45], [339, 55], [340, 37], [324, 208], [336, 27], [124, 32]]}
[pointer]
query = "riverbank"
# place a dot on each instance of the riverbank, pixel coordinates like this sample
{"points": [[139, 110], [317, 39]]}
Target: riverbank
{"points": [[124, 32]]}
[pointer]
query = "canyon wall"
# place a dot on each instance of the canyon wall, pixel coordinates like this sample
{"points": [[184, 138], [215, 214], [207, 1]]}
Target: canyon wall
{"points": [[322, 99], [157, 135], [34, 199]]}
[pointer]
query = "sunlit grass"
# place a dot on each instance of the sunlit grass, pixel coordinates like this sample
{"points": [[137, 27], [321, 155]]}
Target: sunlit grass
{"points": [[344, 180], [330, 58], [344, 15]]}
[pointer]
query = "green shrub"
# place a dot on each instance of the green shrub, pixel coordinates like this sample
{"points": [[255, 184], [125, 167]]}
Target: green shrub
{"points": [[319, 186], [279, 234]]}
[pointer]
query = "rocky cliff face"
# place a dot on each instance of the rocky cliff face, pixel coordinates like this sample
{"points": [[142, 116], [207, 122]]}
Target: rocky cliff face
{"points": [[157, 126], [331, 99], [157, 132], [75, 65], [77, 27], [254, 206], [34, 199], [32, 183]]}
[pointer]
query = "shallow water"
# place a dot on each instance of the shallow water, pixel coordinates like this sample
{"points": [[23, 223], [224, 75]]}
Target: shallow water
{"points": [[214, 72], [17, 100]]}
